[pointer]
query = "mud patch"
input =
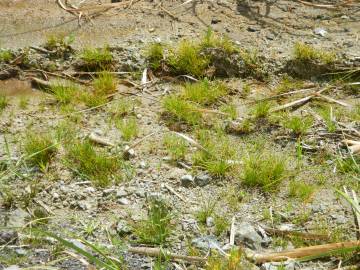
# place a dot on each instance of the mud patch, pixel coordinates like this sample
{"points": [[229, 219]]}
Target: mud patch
{"points": [[14, 87]]}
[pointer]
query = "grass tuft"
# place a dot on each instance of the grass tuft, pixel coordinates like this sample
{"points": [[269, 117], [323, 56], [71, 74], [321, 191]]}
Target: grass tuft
{"points": [[39, 148], [155, 55], [97, 166], [307, 53], [204, 92], [264, 170], [298, 125], [128, 128], [156, 228], [175, 146], [3, 102], [301, 190], [105, 84], [6, 56], [64, 93], [220, 151], [182, 110], [233, 262], [261, 109], [97, 59]]}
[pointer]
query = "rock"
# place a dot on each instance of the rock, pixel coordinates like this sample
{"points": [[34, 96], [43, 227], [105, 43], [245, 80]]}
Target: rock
{"points": [[21, 251], [108, 191], [247, 235], [55, 196], [176, 173], [140, 193], [123, 201], [17, 218], [8, 237], [121, 193], [187, 180], [252, 29], [89, 190], [209, 221], [340, 219], [279, 265], [206, 242], [128, 153], [142, 165], [320, 31], [83, 205], [123, 228], [202, 179], [215, 21]]}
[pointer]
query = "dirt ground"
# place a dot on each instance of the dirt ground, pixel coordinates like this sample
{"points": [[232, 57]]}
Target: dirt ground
{"points": [[77, 209]]}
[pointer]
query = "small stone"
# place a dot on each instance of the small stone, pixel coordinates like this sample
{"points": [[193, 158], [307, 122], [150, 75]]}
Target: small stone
{"points": [[279, 265], [215, 21], [21, 251], [84, 205], [128, 153], [247, 234], [140, 193], [123, 228], [187, 180], [209, 221], [89, 190], [108, 191], [121, 193], [206, 242], [18, 218], [8, 237], [252, 29], [202, 179], [151, 30], [55, 196], [123, 201], [12, 267], [142, 165], [320, 31]]}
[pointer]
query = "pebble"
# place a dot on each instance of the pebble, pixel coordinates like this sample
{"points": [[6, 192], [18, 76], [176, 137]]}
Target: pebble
{"points": [[210, 222], [247, 235], [55, 196], [8, 237], [123, 201], [21, 251], [206, 242], [89, 190], [142, 165], [123, 228], [187, 180], [84, 205], [279, 265], [108, 191], [121, 193], [202, 179]]}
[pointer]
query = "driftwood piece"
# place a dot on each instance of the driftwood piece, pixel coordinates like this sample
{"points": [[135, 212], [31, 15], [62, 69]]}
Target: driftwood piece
{"points": [[354, 146], [100, 140], [40, 84], [299, 253], [156, 252]]}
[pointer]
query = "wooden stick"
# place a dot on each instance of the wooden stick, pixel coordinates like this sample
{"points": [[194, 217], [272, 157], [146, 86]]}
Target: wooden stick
{"points": [[302, 252], [333, 100], [175, 193], [99, 140], [292, 104], [156, 252], [310, 236]]}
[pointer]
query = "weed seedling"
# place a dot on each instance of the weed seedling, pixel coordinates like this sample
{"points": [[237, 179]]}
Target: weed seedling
{"points": [[91, 100], [156, 228], [265, 170], [175, 146], [128, 128], [204, 92], [229, 109], [23, 102], [97, 166], [327, 114], [233, 262], [207, 210], [221, 224], [39, 148], [97, 59]]}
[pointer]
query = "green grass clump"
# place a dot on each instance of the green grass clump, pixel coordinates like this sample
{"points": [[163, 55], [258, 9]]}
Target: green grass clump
{"points": [[104, 84], [175, 146], [39, 148], [91, 100], [349, 164], [207, 210], [156, 229], [261, 109], [97, 59], [3, 102], [6, 56], [204, 92], [233, 262], [221, 224], [64, 93], [155, 55], [298, 125], [121, 107], [326, 113], [301, 190], [182, 110], [219, 154], [128, 128], [264, 169], [307, 53], [57, 41], [187, 59], [97, 166], [229, 109], [210, 40]]}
